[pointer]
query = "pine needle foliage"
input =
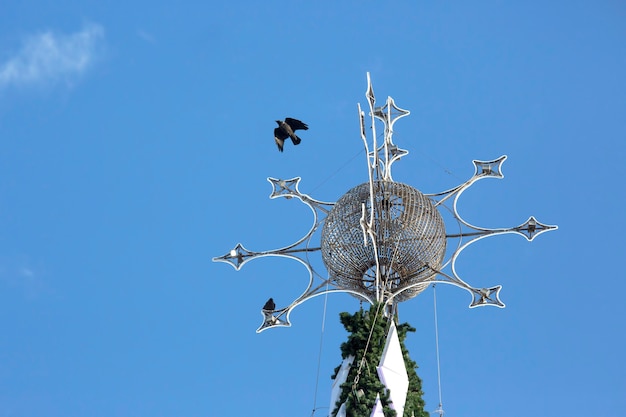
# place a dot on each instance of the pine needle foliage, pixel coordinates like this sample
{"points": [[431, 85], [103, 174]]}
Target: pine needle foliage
{"points": [[366, 342]]}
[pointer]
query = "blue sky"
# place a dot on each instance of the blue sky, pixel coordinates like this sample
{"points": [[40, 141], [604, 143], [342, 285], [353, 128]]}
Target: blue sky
{"points": [[135, 143]]}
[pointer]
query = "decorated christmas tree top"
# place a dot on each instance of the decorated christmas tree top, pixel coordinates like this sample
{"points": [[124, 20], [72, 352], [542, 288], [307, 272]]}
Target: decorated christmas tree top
{"points": [[383, 241]]}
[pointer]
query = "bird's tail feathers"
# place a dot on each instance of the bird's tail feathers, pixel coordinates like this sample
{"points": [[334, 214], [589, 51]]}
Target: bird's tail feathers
{"points": [[296, 140]]}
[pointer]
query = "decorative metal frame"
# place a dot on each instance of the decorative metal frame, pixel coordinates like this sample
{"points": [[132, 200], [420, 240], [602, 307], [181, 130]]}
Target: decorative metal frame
{"points": [[383, 240]]}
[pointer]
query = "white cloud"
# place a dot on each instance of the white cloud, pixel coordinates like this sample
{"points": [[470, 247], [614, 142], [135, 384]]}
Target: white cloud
{"points": [[146, 36], [26, 272], [18, 275], [50, 57]]}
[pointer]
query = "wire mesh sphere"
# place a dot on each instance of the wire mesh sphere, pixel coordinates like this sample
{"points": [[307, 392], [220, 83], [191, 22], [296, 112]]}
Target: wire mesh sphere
{"points": [[410, 240]]}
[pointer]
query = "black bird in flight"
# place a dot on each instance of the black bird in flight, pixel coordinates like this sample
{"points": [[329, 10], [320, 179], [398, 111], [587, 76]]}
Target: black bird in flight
{"points": [[286, 130], [269, 305]]}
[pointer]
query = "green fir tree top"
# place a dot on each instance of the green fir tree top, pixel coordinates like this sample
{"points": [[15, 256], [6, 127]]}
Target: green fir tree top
{"points": [[366, 343]]}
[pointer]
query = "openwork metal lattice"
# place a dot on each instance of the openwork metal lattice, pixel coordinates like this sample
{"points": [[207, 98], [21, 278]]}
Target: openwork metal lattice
{"points": [[410, 240], [384, 240]]}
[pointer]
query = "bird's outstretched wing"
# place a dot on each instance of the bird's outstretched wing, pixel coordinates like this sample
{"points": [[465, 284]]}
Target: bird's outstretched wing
{"points": [[296, 124], [280, 134], [279, 137]]}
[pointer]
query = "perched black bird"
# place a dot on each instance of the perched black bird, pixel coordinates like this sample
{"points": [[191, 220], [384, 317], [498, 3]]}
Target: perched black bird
{"points": [[286, 130], [269, 305]]}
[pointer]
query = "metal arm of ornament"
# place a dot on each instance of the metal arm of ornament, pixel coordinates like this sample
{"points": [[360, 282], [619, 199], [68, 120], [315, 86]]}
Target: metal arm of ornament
{"points": [[298, 251]]}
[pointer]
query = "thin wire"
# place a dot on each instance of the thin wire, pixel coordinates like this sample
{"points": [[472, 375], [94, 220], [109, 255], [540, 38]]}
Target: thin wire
{"points": [[440, 409], [367, 345], [319, 356], [441, 166], [345, 164]]}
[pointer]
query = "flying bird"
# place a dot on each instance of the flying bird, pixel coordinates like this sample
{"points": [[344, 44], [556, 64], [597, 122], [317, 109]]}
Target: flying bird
{"points": [[269, 305], [286, 130]]}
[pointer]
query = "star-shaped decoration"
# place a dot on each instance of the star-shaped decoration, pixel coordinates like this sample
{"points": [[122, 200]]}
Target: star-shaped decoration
{"points": [[487, 296], [489, 168], [236, 256], [274, 318], [397, 153], [285, 188], [532, 228], [390, 113]]}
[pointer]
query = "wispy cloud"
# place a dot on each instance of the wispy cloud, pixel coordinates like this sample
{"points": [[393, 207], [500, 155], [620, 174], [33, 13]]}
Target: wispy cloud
{"points": [[146, 36], [17, 274], [51, 57]]}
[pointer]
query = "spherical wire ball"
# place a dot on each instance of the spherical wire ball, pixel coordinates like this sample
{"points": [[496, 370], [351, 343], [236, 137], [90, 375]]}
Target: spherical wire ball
{"points": [[410, 239]]}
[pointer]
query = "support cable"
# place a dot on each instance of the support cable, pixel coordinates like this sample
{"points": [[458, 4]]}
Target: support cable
{"points": [[367, 345], [319, 356], [337, 171], [439, 410]]}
